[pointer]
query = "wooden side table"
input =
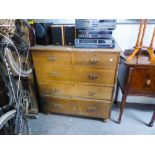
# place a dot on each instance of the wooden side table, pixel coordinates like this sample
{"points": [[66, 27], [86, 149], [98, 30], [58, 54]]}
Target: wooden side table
{"points": [[136, 78]]}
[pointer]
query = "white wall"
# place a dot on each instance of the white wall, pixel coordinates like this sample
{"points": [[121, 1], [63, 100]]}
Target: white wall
{"points": [[126, 35]]}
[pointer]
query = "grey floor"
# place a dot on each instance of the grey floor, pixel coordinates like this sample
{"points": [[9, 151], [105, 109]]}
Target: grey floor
{"points": [[134, 122]]}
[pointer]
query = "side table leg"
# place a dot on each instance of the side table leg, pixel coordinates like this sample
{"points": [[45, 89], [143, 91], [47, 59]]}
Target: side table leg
{"points": [[122, 107], [117, 90], [152, 120]]}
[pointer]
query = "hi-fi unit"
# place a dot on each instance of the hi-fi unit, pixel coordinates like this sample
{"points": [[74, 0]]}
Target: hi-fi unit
{"points": [[95, 24], [107, 34], [95, 43]]}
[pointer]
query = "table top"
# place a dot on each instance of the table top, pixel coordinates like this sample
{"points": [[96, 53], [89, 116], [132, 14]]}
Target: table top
{"points": [[141, 59], [73, 48]]}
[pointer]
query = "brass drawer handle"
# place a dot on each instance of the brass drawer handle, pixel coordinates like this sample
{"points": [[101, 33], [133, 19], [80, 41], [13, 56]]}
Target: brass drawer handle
{"points": [[92, 76], [111, 59], [52, 58], [91, 93], [93, 60], [148, 82], [59, 106], [91, 108], [53, 74], [55, 90]]}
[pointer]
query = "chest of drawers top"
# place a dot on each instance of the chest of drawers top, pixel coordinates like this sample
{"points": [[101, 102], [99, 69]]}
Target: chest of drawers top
{"points": [[73, 49]]}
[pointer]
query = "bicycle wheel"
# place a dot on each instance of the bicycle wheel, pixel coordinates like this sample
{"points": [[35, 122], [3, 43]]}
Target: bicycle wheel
{"points": [[7, 124]]}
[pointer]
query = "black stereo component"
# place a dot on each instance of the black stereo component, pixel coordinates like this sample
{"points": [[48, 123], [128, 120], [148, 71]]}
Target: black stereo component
{"points": [[43, 33], [62, 34], [107, 34], [57, 35], [69, 34]]}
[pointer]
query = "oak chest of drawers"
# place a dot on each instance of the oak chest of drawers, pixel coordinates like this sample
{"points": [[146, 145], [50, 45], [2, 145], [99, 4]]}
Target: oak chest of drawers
{"points": [[76, 81]]}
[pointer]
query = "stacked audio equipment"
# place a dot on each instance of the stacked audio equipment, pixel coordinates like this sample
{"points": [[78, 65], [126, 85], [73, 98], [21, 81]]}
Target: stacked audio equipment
{"points": [[94, 33], [63, 34]]}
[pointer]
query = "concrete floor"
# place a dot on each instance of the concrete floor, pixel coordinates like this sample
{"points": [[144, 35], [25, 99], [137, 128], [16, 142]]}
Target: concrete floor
{"points": [[134, 121]]}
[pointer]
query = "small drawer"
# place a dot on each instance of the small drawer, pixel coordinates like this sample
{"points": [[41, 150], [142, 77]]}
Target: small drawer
{"points": [[142, 81], [52, 57], [90, 108], [96, 59], [54, 89], [93, 92], [94, 76], [53, 73]]}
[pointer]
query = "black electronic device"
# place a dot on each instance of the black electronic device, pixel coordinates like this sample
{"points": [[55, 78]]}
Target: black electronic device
{"points": [[69, 34], [57, 35], [43, 33]]}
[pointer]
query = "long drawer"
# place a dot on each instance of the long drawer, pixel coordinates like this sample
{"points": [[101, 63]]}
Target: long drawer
{"points": [[75, 74], [72, 90], [95, 59], [52, 57], [91, 108]]}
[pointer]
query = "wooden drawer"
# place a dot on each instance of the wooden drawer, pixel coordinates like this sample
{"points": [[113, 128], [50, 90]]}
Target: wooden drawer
{"points": [[142, 81], [93, 92], [71, 90], [53, 73], [75, 74], [99, 109], [95, 76], [52, 57], [95, 59], [53, 89]]}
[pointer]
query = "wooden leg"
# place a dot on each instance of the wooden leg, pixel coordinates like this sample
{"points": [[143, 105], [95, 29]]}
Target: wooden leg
{"points": [[152, 120], [122, 107], [117, 90]]}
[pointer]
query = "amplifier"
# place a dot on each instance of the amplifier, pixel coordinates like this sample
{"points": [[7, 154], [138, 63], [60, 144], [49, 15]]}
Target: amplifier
{"points": [[107, 34], [95, 24], [95, 43]]}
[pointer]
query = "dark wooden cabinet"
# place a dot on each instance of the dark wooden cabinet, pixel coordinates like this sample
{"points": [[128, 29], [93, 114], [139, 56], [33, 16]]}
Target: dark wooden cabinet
{"points": [[136, 78]]}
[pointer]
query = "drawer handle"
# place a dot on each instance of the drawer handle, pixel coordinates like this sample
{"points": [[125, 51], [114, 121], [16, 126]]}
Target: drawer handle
{"points": [[59, 106], [148, 82], [91, 93], [91, 108], [52, 58], [53, 74], [111, 59], [93, 61], [55, 90], [92, 76]]}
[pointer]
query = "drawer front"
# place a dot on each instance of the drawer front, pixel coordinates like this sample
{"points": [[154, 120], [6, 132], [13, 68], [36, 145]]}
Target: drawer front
{"points": [[96, 59], [76, 74], [93, 92], [53, 89], [94, 76], [71, 90], [142, 81], [51, 73], [52, 57], [77, 107]]}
